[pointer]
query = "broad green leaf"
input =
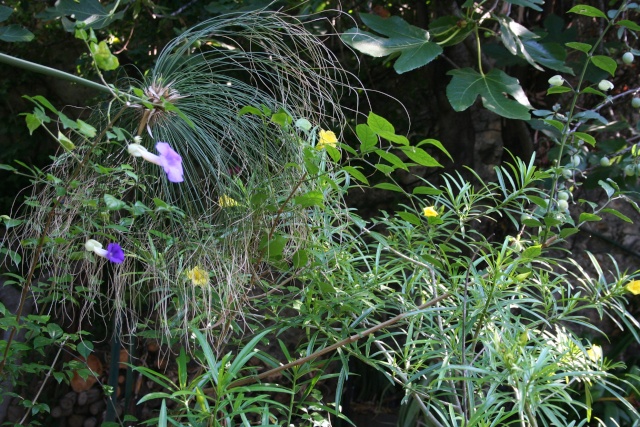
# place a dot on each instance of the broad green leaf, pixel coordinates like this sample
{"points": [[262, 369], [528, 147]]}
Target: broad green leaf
{"points": [[629, 24], [105, 60], [426, 190], [395, 161], [33, 122], [113, 203], [583, 9], [282, 118], [437, 144], [532, 252], [356, 174], [91, 12], [389, 186], [300, 258], [582, 47], [5, 12], [586, 138], [467, 84], [605, 63], [392, 137], [15, 33], [275, 246], [420, 156], [65, 142], [248, 109], [409, 217], [608, 188], [592, 91], [586, 216], [410, 42], [312, 198], [566, 232], [367, 137], [558, 89], [84, 348], [555, 123], [379, 124], [39, 99], [618, 214], [385, 169], [86, 129]]}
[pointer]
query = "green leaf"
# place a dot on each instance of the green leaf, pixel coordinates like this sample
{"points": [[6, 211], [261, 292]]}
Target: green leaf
{"points": [[586, 217], [592, 91], [5, 12], [605, 63], [113, 204], [248, 109], [618, 214], [467, 84], [420, 156], [437, 144], [367, 137], [385, 169], [33, 122], [84, 348], [91, 12], [86, 129], [427, 190], [312, 198], [533, 4], [410, 42], [586, 138], [558, 89], [356, 174], [628, 24], [105, 60], [389, 186], [582, 47], [274, 247], [532, 252], [300, 259], [282, 118], [583, 9], [15, 33], [379, 124], [392, 137], [566, 232], [395, 161], [409, 217], [65, 142]]}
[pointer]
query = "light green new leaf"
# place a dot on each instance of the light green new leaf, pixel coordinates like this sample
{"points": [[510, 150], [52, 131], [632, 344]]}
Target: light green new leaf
{"points": [[410, 42], [629, 24], [367, 137], [379, 124], [65, 142], [467, 84], [436, 144], [15, 33]]}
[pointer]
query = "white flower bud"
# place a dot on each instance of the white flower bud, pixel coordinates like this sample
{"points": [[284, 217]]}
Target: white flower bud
{"points": [[556, 80], [605, 85], [136, 150]]}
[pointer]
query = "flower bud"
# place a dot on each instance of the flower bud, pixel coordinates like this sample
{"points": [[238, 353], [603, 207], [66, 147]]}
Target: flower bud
{"points": [[627, 58], [605, 85], [556, 80], [136, 150]]}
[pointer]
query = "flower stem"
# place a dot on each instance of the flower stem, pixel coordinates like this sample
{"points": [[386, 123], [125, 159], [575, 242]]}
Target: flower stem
{"points": [[32, 66]]}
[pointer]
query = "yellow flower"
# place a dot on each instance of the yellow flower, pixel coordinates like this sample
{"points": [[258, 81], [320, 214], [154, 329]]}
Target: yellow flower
{"points": [[198, 276], [634, 287], [326, 137], [595, 353], [227, 202], [429, 211]]}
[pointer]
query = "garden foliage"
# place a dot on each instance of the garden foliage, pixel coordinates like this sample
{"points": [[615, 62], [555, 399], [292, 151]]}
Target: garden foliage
{"points": [[203, 206]]}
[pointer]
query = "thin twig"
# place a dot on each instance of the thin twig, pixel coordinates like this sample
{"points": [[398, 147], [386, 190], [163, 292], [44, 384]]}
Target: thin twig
{"points": [[353, 338]]}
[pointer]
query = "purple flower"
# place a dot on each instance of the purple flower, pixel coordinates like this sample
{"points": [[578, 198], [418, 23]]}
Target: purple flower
{"points": [[170, 161], [115, 253]]}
